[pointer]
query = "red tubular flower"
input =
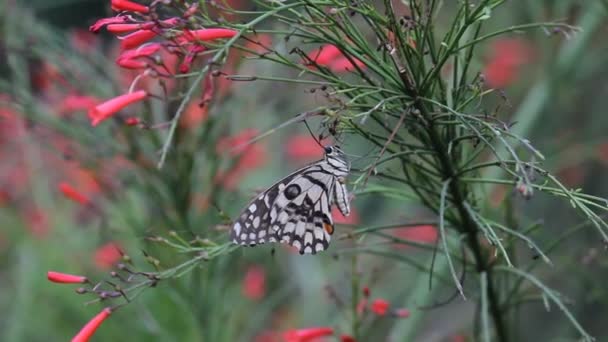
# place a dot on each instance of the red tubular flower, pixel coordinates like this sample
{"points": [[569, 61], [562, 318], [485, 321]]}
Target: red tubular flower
{"points": [[125, 5], [107, 255], [303, 147], [306, 335], [136, 38], [64, 278], [148, 25], [72, 103], [254, 284], [128, 59], [184, 67], [422, 234], [106, 21], [73, 194], [332, 58], [123, 28], [347, 338], [105, 110], [89, 329], [380, 306], [208, 34], [132, 121], [507, 57]]}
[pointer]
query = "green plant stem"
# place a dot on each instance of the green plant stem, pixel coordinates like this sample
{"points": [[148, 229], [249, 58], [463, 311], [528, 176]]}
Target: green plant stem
{"points": [[468, 226]]}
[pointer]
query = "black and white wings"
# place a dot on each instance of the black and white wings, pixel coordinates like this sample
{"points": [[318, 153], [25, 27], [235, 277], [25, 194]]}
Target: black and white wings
{"points": [[297, 209]]}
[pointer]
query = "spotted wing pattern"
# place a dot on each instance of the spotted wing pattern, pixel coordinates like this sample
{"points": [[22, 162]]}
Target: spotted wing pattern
{"points": [[297, 209]]}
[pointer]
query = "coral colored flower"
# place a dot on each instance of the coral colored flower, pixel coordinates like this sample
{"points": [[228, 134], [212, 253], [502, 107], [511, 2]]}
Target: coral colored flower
{"points": [[421, 234], [254, 284], [108, 255], [507, 57], [186, 64], [106, 21], [194, 115], [208, 34], [130, 59], [132, 121], [64, 278], [380, 306], [136, 38], [149, 25], [89, 329], [125, 5], [105, 110], [303, 147], [72, 103], [347, 338], [73, 194], [306, 335], [332, 58], [353, 218]]}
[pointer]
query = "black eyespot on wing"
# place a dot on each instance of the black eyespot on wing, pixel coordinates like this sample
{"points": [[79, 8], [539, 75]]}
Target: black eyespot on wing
{"points": [[292, 191]]}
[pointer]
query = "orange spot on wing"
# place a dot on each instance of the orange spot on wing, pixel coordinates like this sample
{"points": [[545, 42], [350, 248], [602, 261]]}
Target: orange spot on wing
{"points": [[328, 228]]}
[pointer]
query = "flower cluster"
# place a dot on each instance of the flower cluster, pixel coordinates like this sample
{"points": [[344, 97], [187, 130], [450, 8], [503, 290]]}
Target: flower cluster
{"points": [[136, 26]]}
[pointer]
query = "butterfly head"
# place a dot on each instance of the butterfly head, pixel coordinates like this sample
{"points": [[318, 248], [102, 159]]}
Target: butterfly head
{"points": [[336, 157]]}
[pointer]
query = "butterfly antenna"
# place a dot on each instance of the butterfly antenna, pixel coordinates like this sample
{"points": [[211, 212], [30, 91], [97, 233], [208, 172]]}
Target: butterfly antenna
{"points": [[296, 118], [312, 134]]}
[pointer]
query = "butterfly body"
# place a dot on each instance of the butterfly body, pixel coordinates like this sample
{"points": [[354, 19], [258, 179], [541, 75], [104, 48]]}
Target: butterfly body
{"points": [[297, 209]]}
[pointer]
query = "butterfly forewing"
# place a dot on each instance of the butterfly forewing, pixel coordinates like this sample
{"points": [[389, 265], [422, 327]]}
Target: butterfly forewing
{"points": [[297, 209]]}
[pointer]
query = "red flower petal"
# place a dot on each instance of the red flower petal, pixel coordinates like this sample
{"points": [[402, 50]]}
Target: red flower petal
{"points": [[422, 234], [380, 306], [105, 110], [306, 335], [347, 338], [108, 255], [106, 21], [64, 278], [303, 147], [72, 103], [136, 38], [73, 194], [125, 5], [208, 34], [89, 329], [254, 283]]}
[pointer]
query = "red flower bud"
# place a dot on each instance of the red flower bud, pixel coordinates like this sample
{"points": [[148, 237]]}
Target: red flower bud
{"points": [[89, 329], [306, 335], [209, 34], [380, 307], [64, 278], [125, 5], [136, 38], [347, 338], [73, 194], [110, 107], [106, 21]]}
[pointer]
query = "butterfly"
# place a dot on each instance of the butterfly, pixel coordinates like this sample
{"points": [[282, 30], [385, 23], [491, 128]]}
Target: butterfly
{"points": [[297, 209]]}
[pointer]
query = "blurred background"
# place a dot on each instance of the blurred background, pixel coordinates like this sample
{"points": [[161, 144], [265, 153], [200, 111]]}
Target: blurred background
{"points": [[79, 199]]}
